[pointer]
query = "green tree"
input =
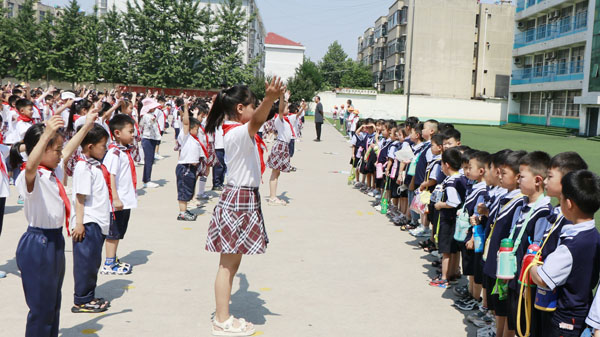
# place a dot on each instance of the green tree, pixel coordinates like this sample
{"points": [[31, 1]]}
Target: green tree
{"points": [[68, 61], [189, 49], [357, 75], [306, 81], [26, 55], [7, 43], [44, 48], [90, 65], [111, 50], [333, 65]]}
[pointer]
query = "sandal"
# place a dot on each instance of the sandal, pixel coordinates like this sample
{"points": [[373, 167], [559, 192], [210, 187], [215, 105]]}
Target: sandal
{"points": [[436, 263], [227, 328], [94, 306], [276, 202]]}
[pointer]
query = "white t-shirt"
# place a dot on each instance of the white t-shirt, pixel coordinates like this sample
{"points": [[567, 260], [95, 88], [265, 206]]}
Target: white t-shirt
{"points": [[117, 163], [295, 121], [353, 123], [160, 116], [89, 181], [150, 127], [191, 150], [21, 128], [4, 184], [11, 136], [242, 159], [219, 138], [176, 119], [65, 115], [284, 131], [44, 208]]}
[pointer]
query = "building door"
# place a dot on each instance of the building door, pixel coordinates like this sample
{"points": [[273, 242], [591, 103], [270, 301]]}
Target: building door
{"points": [[548, 112], [592, 122]]}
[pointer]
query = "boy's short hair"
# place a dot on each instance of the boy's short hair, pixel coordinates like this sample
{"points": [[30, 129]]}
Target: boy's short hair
{"points": [[120, 121], [582, 187], [438, 139], [481, 157], [452, 157], [497, 159], [12, 99], [95, 135], [434, 124], [17, 91], [537, 161], [160, 99], [452, 133], [467, 155], [463, 148], [194, 123], [23, 102], [412, 122], [443, 127], [419, 128], [566, 162], [513, 160]]}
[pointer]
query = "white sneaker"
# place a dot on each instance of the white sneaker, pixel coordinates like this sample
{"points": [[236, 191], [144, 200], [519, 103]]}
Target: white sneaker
{"points": [[2, 274], [417, 231], [488, 331], [425, 233], [371, 193], [158, 157], [378, 208], [203, 196], [151, 185]]}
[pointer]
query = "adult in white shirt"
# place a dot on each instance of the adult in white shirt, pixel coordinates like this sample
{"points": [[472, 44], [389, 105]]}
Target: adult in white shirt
{"points": [[150, 137]]}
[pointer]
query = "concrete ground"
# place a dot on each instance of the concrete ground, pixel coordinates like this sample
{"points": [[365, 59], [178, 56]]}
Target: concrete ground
{"points": [[334, 267]]}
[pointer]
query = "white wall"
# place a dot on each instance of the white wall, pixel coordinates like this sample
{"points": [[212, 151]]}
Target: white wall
{"points": [[282, 61], [449, 110]]}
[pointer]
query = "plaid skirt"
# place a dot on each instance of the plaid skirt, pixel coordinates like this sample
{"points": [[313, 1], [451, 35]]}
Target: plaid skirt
{"points": [[237, 225], [203, 169], [279, 158]]}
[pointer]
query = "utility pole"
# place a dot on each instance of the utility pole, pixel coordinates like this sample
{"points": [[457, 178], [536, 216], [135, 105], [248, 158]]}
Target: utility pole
{"points": [[412, 34], [482, 89]]}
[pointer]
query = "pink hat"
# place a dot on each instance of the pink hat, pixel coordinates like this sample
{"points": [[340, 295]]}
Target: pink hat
{"points": [[149, 104]]}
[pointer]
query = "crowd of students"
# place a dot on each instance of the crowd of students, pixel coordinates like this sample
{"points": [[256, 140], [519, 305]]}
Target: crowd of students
{"points": [[98, 138], [489, 216]]}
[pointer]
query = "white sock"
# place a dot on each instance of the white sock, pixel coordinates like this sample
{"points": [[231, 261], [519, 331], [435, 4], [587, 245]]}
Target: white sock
{"points": [[201, 186]]}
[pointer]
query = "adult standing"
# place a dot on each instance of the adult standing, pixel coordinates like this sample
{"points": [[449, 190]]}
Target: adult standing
{"points": [[318, 117]]}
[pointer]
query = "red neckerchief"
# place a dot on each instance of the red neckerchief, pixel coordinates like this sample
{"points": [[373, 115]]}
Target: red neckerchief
{"points": [[260, 144], [201, 145], [63, 195], [76, 117], [5, 103], [2, 165], [105, 174], [131, 163], [290, 124], [24, 118]]}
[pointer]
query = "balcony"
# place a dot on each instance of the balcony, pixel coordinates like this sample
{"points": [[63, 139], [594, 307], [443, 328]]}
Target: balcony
{"points": [[549, 73], [563, 27], [522, 4]]}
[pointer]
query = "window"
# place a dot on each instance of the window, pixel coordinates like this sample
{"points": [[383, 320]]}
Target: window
{"points": [[42, 15], [11, 8], [393, 19], [390, 74], [538, 65], [378, 32], [104, 3], [536, 103], [524, 105], [581, 7], [476, 20], [572, 108], [395, 46], [562, 58], [403, 15], [577, 59], [558, 104], [400, 72]]}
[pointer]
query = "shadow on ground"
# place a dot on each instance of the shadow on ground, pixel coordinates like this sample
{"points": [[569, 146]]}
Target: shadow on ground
{"points": [[10, 267], [91, 327], [248, 304], [137, 257]]}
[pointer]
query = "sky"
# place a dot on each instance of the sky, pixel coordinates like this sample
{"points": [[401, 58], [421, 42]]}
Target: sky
{"points": [[314, 23]]}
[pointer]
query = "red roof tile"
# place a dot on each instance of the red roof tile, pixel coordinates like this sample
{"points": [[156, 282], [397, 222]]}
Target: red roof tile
{"points": [[273, 38]]}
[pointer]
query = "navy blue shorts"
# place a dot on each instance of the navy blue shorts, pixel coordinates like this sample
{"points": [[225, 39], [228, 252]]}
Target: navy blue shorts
{"points": [[118, 224], [186, 181]]}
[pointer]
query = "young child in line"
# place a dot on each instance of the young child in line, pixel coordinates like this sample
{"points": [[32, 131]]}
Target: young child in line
{"points": [[433, 177], [451, 138], [123, 179], [41, 250], [454, 190], [279, 157], [192, 159], [392, 171], [380, 162], [93, 207], [529, 219], [237, 225], [294, 119], [358, 142], [369, 157], [572, 269], [471, 261], [500, 228], [208, 144]]}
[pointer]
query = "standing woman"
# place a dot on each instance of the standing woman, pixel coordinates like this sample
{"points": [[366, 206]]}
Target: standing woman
{"points": [[237, 225]]}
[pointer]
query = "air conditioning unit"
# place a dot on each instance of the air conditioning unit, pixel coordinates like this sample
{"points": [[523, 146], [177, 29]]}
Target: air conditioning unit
{"points": [[402, 60], [548, 95], [554, 15], [521, 25], [516, 96], [518, 61], [384, 63], [551, 55]]}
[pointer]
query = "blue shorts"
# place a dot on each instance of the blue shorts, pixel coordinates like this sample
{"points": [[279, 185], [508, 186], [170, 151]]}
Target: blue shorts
{"points": [[186, 181], [118, 224]]}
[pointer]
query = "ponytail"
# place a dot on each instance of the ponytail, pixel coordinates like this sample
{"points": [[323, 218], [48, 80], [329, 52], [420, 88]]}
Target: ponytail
{"points": [[76, 109], [225, 105], [14, 158]]}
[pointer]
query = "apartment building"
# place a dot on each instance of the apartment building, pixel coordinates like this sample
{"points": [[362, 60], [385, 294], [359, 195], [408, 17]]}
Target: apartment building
{"points": [[13, 7], [461, 48], [555, 79]]}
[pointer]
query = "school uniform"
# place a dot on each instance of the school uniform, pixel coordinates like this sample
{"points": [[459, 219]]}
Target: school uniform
{"points": [[419, 151], [293, 119], [119, 162], [500, 229], [220, 168], [192, 160], [4, 184], [237, 224], [279, 157], [382, 158], [538, 210], [572, 270], [91, 179], [41, 251], [21, 128], [391, 155], [495, 195], [369, 157], [425, 158], [358, 142], [455, 189], [475, 195], [434, 171]]}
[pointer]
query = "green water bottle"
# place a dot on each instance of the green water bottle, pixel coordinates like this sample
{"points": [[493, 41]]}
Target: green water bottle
{"points": [[384, 206]]}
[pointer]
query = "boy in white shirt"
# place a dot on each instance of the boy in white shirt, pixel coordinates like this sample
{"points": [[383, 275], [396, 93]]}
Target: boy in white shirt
{"points": [[192, 159], [161, 117], [25, 117], [123, 179], [93, 206]]}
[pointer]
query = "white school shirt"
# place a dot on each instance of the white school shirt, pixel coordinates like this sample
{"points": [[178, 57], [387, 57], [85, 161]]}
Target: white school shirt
{"points": [[65, 115], [354, 123], [219, 139], [89, 181], [4, 183], [150, 127], [117, 163], [11, 136], [295, 121], [284, 131], [22, 128], [44, 207], [191, 150], [176, 119], [160, 117], [242, 159]]}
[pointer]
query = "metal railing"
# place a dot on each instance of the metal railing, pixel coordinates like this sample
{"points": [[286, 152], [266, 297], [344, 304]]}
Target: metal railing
{"points": [[563, 27], [555, 72]]}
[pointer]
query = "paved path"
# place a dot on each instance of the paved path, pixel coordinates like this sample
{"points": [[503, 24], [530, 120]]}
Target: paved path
{"points": [[334, 267]]}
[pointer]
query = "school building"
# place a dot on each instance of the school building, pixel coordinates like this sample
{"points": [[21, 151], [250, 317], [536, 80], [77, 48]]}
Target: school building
{"points": [[13, 7], [555, 65], [460, 48], [282, 56]]}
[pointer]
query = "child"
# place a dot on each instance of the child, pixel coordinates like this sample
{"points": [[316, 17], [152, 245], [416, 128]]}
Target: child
{"points": [[161, 118], [454, 190], [279, 158], [500, 229], [4, 189], [123, 179], [572, 269], [381, 159], [41, 250], [92, 199], [433, 176], [24, 121], [529, 218], [451, 138], [419, 149], [192, 159], [237, 225]]}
